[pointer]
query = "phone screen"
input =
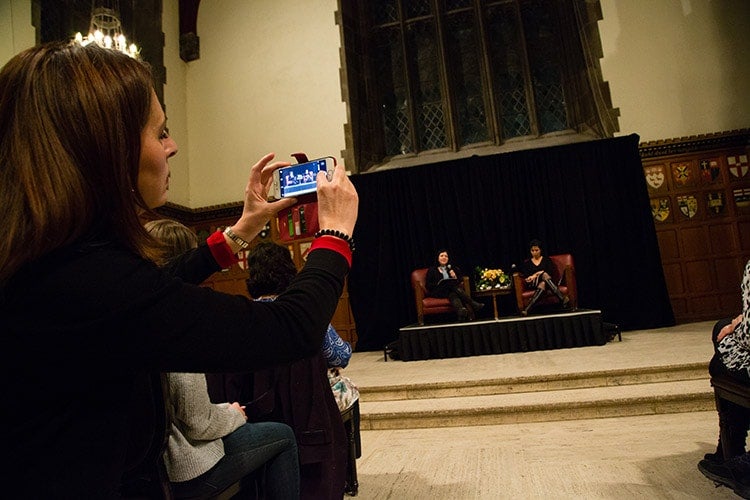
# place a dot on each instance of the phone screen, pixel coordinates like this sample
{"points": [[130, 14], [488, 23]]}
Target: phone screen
{"points": [[299, 179]]}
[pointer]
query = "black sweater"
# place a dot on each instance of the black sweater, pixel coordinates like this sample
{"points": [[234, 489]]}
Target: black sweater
{"points": [[82, 326]]}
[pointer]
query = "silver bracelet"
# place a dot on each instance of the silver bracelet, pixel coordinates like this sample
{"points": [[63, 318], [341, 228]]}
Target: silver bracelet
{"points": [[230, 234]]}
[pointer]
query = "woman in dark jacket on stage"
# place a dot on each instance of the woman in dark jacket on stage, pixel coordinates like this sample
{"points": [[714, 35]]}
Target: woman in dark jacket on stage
{"points": [[464, 305]]}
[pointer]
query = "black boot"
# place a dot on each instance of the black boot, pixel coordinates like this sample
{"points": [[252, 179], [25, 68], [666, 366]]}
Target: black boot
{"points": [[472, 314], [717, 456], [733, 423], [733, 473], [476, 306], [463, 313], [563, 299], [538, 293]]}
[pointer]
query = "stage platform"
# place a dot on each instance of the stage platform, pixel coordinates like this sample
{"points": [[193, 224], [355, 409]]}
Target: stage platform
{"points": [[579, 328]]}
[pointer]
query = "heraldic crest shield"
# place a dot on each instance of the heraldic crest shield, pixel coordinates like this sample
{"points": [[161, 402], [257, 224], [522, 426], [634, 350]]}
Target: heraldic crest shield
{"points": [[716, 202], [738, 165], [688, 205], [681, 173], [660, 209], [654, 176], [709, 170]]}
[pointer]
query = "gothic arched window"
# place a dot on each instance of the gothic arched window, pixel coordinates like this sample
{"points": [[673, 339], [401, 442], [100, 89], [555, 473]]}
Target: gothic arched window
{"points": [[442, 76]]}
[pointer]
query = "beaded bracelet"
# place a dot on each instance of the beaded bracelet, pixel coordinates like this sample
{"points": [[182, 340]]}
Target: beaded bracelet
{"points": [[337, 234]]}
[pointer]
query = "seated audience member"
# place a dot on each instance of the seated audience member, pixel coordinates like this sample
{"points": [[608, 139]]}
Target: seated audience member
{"points": [[298, 393], [211, 446], [86, 316], [462, 303], [175, 238], [537, 272], [732, 358]]}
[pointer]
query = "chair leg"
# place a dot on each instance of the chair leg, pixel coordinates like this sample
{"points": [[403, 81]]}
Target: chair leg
{"points": [[351, 425]]}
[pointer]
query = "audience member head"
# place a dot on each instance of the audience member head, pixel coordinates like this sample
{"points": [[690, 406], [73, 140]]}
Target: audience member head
{"points": [[175, 237], [76, 123], [271, 269]]}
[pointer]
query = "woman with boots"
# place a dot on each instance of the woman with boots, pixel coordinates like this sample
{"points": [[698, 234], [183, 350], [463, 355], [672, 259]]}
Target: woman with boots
{"points": [[733, 418], [730, 464], [451, 289], [538, 271]]}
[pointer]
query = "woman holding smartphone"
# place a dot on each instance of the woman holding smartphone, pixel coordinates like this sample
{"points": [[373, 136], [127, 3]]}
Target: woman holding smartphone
{"points": [[85, 314]]}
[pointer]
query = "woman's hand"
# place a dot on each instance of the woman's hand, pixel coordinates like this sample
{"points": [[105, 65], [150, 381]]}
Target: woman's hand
{"points": [[729, 328], [257, 210], [337, 201], [239, 408]]}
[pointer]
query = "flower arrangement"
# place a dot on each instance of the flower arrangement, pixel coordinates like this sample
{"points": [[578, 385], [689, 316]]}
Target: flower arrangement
{"points": [[491, 278]]}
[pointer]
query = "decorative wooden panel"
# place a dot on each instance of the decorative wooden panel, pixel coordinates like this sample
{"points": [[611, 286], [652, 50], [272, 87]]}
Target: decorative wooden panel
{"points": [[700, 199]]}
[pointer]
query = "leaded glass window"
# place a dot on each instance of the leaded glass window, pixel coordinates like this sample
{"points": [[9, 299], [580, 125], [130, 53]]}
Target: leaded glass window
{"points": [[445, 75]]}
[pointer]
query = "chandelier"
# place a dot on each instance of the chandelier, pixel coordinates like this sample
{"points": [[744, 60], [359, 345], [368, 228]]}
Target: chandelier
{"points": [[105, 29]]}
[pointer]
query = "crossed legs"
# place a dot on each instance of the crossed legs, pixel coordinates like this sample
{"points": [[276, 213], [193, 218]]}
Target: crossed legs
{"points": [[464, 305], [542, 283]]}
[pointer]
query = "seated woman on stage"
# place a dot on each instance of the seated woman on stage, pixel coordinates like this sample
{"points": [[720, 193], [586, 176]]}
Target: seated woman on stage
{"points": [[464, 305], [538, 271], [732, 358]]}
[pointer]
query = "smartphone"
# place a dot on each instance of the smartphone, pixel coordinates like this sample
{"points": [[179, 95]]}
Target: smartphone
{"points": [[299, 179]]}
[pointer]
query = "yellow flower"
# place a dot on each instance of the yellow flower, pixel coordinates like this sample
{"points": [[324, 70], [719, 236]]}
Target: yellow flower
{"points": [[491, 278]]}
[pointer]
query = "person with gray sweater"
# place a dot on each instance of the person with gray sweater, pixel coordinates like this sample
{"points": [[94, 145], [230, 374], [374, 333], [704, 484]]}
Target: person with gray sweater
{"points": [[211, 446]]}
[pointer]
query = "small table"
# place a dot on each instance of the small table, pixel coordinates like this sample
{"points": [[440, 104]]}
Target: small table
{"points": [[493, 292]]}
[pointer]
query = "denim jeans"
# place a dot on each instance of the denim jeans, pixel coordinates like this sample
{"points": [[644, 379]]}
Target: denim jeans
{"points": [[246, 449]]}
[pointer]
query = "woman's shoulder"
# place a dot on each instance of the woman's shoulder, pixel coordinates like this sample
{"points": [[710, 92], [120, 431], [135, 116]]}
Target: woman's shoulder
{"points": [[95, 260], [104, 274]]}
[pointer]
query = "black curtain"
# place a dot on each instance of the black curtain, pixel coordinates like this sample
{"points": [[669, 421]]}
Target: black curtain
{"points": [[588, 199]]}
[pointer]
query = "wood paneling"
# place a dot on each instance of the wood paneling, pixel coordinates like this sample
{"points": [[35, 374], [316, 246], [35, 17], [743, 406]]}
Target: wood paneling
{"points": [[700, 199]]}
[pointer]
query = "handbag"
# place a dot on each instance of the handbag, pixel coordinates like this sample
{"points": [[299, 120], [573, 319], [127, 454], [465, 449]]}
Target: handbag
{"points": [[344, 391]]}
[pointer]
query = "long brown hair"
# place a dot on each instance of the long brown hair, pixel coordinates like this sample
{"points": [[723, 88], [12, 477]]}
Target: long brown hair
{"points": [[70, 125]]}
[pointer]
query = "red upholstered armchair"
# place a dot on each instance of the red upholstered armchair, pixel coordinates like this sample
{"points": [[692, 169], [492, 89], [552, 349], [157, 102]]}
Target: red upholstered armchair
{"points": [[565, 268], [430, 305]]}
